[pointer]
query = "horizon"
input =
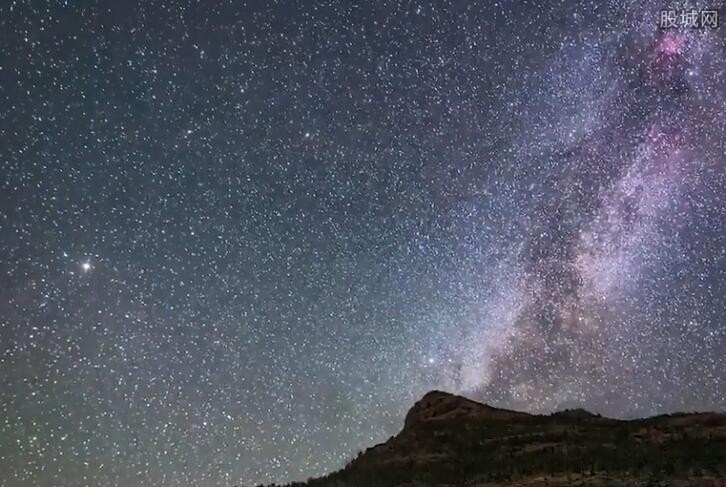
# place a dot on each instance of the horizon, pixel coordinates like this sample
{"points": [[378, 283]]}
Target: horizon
{"points": [[574, 408]]}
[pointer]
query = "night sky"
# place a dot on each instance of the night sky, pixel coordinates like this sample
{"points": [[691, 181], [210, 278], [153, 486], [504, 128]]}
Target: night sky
{"points": [[239, 240]]}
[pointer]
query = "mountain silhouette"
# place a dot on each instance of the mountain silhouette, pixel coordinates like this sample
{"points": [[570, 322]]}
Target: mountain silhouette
{"points": [[450, 440]]}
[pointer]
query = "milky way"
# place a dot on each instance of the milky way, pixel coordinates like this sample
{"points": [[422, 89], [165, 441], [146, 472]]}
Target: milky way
{"points": [[237, 242]]}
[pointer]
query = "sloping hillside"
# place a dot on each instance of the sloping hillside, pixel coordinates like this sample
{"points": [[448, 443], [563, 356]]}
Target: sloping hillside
{"points": [[450, 440]]}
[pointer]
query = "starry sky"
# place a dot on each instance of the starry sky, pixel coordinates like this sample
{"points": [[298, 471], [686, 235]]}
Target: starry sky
{"points": [[239, 239]]}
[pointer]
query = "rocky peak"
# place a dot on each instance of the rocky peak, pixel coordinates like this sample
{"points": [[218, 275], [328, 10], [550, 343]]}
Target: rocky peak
{"points": [[442, 406]]}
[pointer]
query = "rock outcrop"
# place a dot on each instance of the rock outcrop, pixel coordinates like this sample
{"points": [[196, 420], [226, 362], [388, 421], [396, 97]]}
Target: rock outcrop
{"points": [[443, 406]]}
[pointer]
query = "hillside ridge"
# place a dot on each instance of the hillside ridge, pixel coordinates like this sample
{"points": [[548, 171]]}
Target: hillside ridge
{"points": [[449, 440]]}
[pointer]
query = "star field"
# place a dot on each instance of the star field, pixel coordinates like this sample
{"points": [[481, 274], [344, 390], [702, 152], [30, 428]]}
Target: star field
{"points": [[239, 239]]}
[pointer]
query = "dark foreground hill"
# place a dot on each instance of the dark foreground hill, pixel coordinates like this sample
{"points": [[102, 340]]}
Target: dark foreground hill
{"points": [[450, 440]]}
